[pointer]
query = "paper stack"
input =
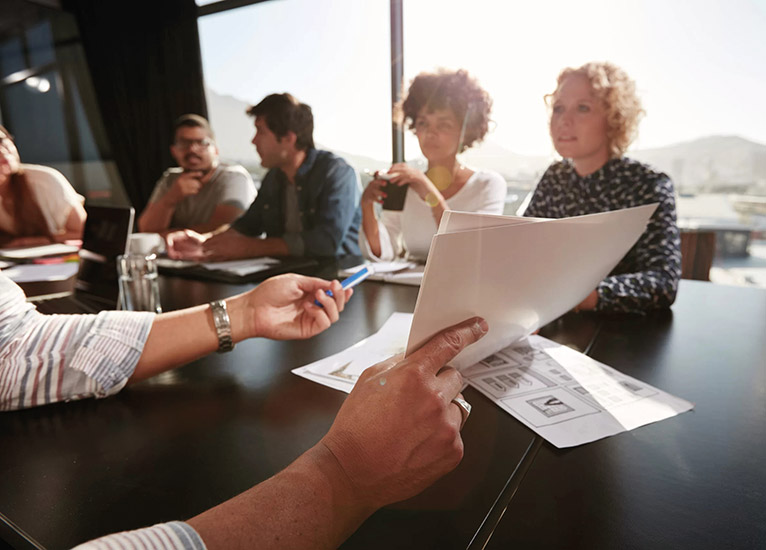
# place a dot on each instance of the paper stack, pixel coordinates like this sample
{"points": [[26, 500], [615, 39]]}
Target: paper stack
{"points": [[517, 273]]}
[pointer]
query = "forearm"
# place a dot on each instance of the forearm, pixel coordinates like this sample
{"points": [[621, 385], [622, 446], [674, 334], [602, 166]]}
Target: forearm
{"points": [[179, 337], [310, 504], [74, 225], [233, 245], [637, 292], [222, 217], [211, 227], [156, 216], [371, 229]]}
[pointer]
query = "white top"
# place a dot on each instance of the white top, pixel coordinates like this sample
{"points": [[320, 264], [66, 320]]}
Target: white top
{"points": [[54, 195], [409, 232]]}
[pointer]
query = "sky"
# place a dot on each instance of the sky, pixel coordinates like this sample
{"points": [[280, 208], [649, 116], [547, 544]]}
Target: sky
{"points": [[699, 65]]}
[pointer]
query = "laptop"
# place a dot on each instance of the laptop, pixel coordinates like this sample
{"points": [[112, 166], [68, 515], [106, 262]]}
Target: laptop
{"points": [[106, 234]]}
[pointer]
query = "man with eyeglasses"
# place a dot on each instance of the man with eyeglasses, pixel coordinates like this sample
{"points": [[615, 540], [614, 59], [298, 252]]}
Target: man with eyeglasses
{"points": [[201, 194], [307, 205]]}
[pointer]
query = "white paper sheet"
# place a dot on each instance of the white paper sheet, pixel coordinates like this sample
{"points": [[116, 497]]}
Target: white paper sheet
{"points": [[566, 397], [28, 273], [562, 395], [27, 253], [236, 267], [342, 370], [518, 276]]}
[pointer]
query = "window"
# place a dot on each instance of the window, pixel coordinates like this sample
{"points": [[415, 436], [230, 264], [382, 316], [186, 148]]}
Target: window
{"points": [[47, 102], [698, 67], [332, 55]]}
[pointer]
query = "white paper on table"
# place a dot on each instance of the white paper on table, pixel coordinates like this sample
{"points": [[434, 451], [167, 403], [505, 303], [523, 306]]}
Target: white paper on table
{"points": [[518, 277], [242, 267], [565, 396], [28, 273], [342, 370], [236, 267], [26, 253]]}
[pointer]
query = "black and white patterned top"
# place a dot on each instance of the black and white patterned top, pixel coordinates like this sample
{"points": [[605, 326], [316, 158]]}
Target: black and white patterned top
{"points": [[647, 277]]}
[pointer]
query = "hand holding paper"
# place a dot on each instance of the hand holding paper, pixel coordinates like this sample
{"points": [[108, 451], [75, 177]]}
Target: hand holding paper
{"points": [[517, 273]]}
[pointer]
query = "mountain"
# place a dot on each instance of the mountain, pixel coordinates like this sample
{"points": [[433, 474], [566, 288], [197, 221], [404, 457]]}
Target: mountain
{"points": [[233, 128], [708, 164], [714, 163]]}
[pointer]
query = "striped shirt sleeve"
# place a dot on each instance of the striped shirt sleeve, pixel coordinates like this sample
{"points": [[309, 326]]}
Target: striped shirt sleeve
{"points": [[49, 358], [175, 535]]}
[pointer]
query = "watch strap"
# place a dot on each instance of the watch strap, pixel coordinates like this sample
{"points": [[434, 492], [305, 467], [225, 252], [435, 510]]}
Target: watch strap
{"points": [[222, 325]]}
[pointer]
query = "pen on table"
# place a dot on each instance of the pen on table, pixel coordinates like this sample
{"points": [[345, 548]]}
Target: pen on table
{"points": [[351, 281]]}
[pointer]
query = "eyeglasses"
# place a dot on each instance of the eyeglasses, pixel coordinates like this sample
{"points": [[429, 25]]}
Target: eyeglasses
{"points": [[193, 143]]}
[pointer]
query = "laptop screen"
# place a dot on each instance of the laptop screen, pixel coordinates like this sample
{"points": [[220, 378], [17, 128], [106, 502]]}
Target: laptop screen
{"points": [[106, 234]]}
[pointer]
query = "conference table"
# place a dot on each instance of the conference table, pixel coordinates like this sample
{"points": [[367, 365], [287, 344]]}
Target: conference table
{"points": [[172, 446]]}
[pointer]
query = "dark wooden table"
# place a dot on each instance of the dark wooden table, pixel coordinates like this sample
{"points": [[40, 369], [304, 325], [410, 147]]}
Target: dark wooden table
{"points": [[697, 480], [175, 445]]}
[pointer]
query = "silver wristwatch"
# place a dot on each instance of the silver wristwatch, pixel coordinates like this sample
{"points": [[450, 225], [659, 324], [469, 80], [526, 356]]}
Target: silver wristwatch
{"points": [[222, 326]]}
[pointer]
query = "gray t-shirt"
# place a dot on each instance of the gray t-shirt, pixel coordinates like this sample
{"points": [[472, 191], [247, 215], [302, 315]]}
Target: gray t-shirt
{"points": [[230, 185]]}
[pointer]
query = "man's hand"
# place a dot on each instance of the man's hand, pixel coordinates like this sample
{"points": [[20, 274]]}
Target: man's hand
{"points": [[398, 431], [187, 184], [185, 245], [282, 308]]}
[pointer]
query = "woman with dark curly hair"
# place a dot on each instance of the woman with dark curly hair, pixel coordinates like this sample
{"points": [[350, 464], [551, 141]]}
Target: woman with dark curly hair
{"points": [[37, 203], [449, 112], [594, 114]]}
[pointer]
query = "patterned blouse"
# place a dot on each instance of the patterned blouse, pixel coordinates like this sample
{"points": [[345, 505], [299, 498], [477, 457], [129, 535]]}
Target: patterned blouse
{"points": [[647, 277]]}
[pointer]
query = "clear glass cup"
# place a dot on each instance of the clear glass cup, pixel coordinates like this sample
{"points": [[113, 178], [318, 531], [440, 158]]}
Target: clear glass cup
{"points": [[139, 286]]}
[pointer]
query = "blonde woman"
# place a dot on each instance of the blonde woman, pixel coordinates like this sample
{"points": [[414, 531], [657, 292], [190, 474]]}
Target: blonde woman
{"points": [[594, 115], [449, 112]]}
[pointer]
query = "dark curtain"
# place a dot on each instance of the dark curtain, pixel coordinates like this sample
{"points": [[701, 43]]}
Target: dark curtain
{"points": [[145, 64]]}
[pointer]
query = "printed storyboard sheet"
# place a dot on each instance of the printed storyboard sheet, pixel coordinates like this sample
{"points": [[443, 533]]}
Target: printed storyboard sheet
{"points": [[562, 395]]}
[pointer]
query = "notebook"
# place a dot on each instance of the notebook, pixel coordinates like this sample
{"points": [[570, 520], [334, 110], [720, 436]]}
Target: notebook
{"points": [[96, 288]]}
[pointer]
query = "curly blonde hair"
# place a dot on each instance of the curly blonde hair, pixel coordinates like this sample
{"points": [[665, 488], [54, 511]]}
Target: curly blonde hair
{"points": [[446, 89], [617, 91]]}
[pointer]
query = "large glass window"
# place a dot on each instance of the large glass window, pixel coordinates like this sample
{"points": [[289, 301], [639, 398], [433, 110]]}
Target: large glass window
{"points": [[332, 55], [698, 66], [699, 70], [47, 102]]}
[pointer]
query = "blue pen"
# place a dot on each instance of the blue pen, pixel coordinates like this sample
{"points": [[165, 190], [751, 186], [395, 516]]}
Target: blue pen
{"points": [[351, 281]]}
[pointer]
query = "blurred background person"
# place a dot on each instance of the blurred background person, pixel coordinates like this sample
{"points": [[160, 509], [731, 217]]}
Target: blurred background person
{"points": [[202, 193], [37, 203], [449, 112], [308, 203], [594, 115]]}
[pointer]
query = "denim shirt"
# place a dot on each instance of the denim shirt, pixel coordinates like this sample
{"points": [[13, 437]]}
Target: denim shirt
{"points": [[328, 199]]}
